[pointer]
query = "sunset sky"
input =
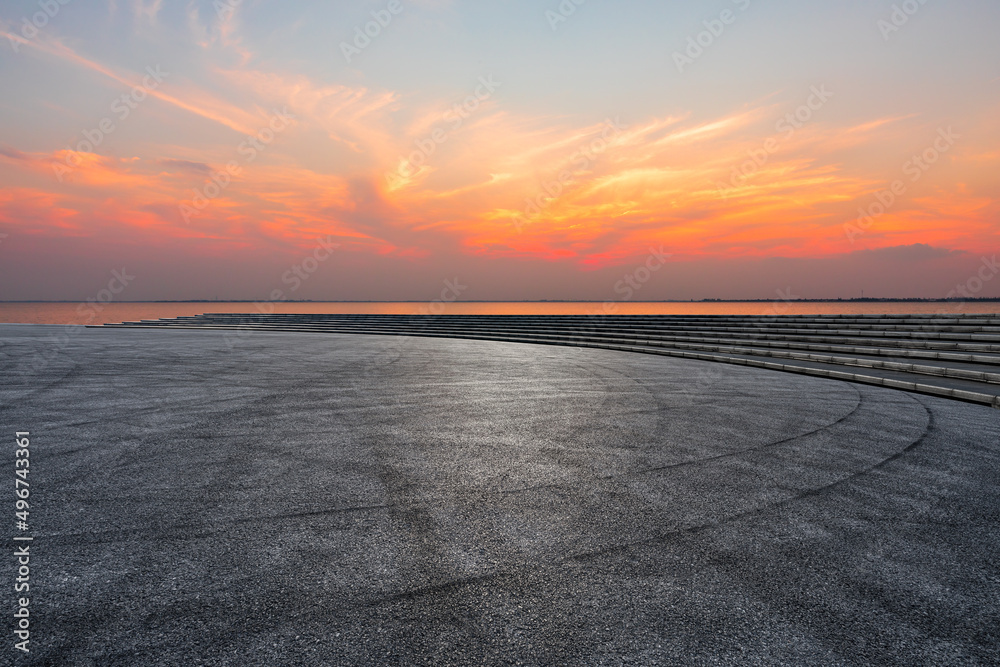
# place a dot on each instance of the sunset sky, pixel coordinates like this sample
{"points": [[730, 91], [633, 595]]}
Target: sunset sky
{"points": [[528, 149]]}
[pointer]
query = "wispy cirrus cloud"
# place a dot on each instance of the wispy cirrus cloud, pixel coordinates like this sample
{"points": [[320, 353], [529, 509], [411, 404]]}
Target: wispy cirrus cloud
{"points": [[191, 99], [593, 189]]}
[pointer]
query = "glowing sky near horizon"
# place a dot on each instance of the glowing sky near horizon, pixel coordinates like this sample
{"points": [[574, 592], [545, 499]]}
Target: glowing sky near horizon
{"points": [[526, 151]]}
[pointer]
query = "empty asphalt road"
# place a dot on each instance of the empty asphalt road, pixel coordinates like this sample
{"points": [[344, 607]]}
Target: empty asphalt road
{"points": [[297, 499]]}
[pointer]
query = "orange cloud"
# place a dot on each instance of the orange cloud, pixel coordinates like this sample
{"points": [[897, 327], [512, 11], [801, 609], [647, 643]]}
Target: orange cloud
{"points": [[388, 176]]}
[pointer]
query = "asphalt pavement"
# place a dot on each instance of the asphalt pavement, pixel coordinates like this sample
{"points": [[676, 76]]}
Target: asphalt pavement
{"points": [[294, 499]]}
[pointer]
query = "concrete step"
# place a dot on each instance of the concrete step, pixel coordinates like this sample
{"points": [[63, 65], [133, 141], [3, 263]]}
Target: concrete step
{"points": [[966, 383]]}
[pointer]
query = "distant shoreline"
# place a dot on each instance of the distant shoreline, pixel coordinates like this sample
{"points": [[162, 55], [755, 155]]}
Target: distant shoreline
{"points": [[855, 300]]}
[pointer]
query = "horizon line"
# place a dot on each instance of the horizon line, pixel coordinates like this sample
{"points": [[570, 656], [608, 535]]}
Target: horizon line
{"points": [[822, 300]]}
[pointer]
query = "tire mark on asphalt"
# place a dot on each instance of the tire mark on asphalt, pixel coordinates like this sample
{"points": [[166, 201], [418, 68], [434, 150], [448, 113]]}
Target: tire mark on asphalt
{"points": [[760, 510], [758, 448], [394, 478], [447, 585]]}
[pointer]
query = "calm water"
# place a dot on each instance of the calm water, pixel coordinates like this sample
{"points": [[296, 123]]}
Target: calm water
{"points": [[74, 313]]}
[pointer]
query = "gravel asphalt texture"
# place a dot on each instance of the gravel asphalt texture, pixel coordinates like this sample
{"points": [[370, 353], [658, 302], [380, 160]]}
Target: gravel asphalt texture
{"points": [[289, 499]]}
